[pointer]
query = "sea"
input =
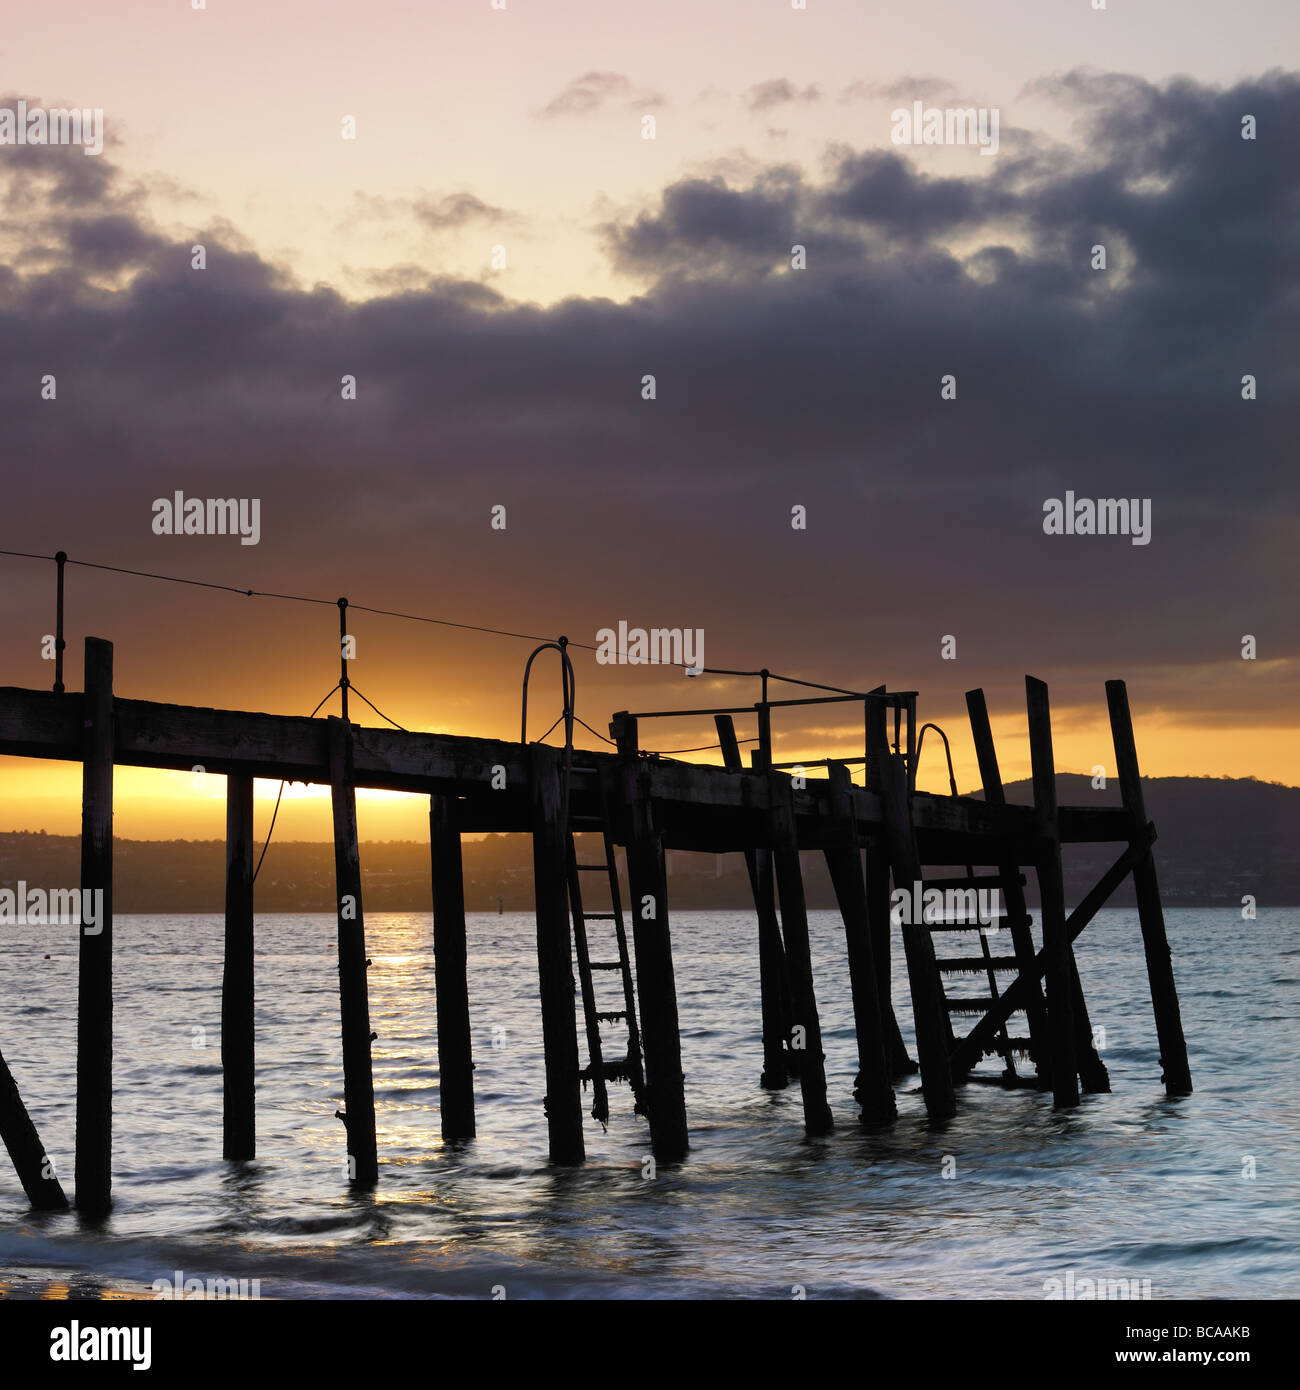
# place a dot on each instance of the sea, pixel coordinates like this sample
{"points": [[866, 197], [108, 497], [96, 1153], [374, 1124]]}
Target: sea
{"points": [[1197, 1197]]}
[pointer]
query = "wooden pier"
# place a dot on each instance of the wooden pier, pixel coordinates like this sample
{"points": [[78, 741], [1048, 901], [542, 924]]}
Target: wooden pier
{"points": [[643, 804]]}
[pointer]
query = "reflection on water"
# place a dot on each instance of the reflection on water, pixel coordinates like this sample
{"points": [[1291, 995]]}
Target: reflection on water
{"points": [[1130, 1185]]}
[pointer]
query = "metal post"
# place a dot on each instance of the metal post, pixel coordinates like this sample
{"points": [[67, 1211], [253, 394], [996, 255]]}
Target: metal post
{"points": [[60, 559]]}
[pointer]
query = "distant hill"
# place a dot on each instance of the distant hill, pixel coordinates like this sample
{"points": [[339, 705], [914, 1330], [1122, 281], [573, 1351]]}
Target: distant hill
{"points": [[1219, 838]]}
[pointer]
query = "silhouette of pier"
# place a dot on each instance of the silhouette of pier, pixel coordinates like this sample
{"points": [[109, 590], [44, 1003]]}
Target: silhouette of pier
{"points": [[640, 804]]}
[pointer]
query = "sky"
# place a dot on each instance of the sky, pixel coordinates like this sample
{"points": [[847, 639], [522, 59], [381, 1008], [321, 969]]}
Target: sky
{"points": [[499, 258]]}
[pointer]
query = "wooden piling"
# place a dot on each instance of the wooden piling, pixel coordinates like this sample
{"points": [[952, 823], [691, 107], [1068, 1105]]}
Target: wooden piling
{"points": [[876, 857], [354, 1004], [451, 978], [665, 1102], [1160, 972], [773, 988], [563, 1102], [1013, 893], [1051, 887], [239, 1129], [804, 1021], [873, 1091], [922, 971], [94, 1155], [25, 1148]]}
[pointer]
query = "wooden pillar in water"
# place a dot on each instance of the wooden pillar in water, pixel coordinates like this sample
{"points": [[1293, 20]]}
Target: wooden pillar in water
{"points": [[450, 965], [1022, 939], [1092, 1071], [922, 972], [1160, 971], [239, 1131], [94, 1157], [874, 1093], [563, 1101], [771, 951], [876, 855], [652, 942], [1051, 886], [25, 1148], [804, 1022], [354, 1003]]}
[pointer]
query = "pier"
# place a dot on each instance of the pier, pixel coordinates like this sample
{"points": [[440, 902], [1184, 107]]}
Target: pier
{"points": [[608, 1001]]}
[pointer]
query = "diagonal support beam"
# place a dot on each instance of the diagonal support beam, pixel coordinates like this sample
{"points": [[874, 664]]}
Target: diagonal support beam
{"points": [[1017, 994], [34, 1169]]}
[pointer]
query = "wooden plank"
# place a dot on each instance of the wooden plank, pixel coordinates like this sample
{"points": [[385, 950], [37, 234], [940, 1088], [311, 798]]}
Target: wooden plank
{"points": [[922, 973], [94, 1156], [451, 972], [873, 1091], [1160, 971], [239, 1127], [563, 1102], [34, 1169], [805, 1025], [773, 987], [652, 943], [1015, 996], [358, 1113], [1051, 888], [149, 734]]}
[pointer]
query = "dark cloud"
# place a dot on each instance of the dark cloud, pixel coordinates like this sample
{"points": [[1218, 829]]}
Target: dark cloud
{"points": [[775, 387]]}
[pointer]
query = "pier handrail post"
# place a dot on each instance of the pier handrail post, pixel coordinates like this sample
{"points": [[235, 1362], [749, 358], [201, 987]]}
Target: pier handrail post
{"points": [[60, 560], [1155, 942], [344, 682]]}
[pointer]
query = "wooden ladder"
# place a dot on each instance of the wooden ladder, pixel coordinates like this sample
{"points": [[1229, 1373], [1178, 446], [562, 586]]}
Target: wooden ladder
{"points": [[989, 965]]}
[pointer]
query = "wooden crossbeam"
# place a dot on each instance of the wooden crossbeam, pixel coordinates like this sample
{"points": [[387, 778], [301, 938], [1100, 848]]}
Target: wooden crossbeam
{"points": [[39, 724]]}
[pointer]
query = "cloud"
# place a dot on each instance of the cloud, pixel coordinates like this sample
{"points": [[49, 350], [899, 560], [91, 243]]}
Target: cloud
{"points": [[775, 387], [593, 91], [457, 210], [778, 91]]}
